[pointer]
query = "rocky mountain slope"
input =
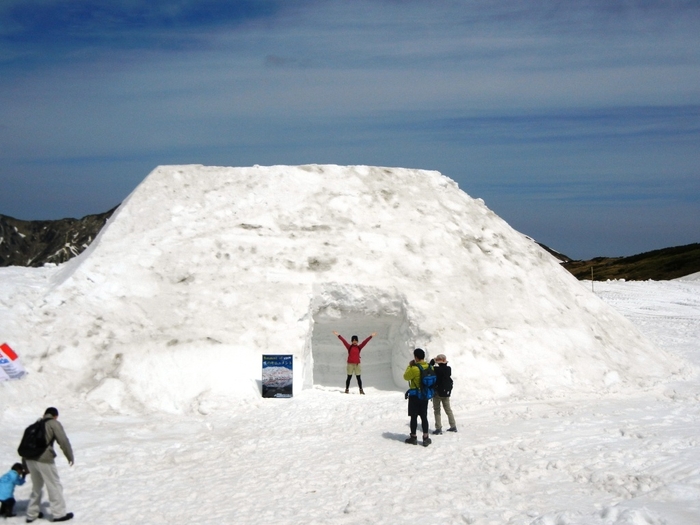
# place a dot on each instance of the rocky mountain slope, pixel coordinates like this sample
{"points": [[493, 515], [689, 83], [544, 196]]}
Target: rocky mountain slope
{"points": [[35, 243]]}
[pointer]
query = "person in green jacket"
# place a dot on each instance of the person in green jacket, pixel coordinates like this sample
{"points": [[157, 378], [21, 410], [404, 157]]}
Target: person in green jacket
{"points": [[417, 407]]}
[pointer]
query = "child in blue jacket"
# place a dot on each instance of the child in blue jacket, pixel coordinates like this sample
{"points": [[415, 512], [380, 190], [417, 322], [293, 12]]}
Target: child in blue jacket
{"points": [[11, 479]]}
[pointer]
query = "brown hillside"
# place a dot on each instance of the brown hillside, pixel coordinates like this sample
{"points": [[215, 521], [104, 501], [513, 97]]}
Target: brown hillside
{"points": [[657, 265]]}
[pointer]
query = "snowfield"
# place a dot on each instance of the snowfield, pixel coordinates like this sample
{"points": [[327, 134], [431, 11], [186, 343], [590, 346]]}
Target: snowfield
{"points": [[574, 407], [325, 457]]}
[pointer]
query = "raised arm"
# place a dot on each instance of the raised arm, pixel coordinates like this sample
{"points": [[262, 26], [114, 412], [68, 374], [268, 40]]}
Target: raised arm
{"points": [[342, 339], [363, 343]]}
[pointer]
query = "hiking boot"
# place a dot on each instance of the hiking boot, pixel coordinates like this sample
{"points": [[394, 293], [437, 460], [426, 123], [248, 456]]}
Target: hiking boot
{"points": [[413, 440], [452, 429], [426, 440], [362, 392], [67, 517], [30, 520], [437, 431], [347, 390]]}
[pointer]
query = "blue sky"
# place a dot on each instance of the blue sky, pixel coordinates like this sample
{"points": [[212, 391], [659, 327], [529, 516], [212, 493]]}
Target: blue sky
{"points": [[577, 122]]}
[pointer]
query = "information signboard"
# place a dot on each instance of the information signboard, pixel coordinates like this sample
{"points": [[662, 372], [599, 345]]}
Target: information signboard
{"points": [[277, 375]]}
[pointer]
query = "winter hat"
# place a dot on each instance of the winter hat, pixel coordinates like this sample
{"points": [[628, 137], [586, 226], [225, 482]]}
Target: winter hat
{"points": [[440, 358], [51, 411]]}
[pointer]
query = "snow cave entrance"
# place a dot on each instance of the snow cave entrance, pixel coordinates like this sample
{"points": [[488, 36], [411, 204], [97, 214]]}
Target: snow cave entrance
{"points": [[360, 311]]}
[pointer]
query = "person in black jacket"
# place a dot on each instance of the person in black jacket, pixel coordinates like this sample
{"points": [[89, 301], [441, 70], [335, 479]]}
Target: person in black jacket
{"points": [[443, 389]]}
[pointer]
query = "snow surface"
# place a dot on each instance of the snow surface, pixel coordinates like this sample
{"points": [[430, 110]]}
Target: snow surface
{"points": [[573, 407]]}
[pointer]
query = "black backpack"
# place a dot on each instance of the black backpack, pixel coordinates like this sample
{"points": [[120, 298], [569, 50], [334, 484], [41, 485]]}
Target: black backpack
{"points": [[33, 442], [445, 385], [444, 380]]}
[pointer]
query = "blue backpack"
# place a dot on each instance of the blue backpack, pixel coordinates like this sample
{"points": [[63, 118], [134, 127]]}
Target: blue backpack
{"points": [[427, 383]]}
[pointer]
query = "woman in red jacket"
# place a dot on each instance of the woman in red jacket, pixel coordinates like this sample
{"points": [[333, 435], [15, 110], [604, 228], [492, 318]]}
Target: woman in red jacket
{"points": [[354, 367]]}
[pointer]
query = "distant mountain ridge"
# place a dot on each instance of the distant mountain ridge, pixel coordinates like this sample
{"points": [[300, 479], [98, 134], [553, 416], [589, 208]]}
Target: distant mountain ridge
{"points": [[35, 243], [657, 265]]}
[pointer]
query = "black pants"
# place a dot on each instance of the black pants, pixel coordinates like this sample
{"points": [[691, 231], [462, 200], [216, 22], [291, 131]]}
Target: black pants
{"points": [[347, 382], [7, 507], [418, 408]]}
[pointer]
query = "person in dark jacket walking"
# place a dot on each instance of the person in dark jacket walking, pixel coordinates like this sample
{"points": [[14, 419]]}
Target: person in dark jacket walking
{"points": [[43, 471], [443, 389], [354, 367]]}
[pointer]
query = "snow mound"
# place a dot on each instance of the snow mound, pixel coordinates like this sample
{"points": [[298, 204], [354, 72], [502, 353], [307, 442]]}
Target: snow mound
{"points": [[202, 270]]}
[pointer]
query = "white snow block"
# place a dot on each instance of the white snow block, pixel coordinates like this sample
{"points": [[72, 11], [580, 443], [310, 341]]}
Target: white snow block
{"points": [[204, 269]]}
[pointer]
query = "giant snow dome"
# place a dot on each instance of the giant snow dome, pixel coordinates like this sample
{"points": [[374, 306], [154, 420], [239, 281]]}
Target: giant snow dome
{"points": [[202, 270]]}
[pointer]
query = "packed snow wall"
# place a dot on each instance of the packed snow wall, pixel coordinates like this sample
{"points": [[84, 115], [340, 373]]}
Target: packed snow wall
{"points": [[202, 270], [360, 310]]}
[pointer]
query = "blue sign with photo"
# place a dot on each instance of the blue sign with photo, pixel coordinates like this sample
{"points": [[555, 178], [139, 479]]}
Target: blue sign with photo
{"points": [[277, 375]]}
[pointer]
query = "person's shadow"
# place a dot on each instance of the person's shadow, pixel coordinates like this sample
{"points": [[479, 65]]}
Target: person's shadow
{"points": [[21, 506], [394, 436]]}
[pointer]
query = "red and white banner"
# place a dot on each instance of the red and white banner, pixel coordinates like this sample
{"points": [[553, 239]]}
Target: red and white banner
{"points": [[10, 367]]}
